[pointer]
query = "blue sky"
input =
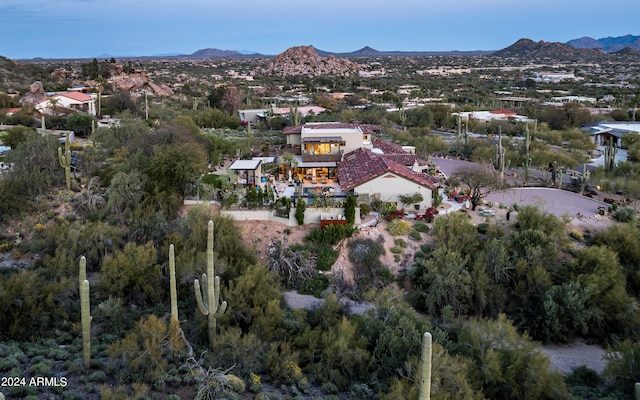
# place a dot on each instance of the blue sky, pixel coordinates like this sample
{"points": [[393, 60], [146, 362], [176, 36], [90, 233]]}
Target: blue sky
{"points": [[92, 28]]}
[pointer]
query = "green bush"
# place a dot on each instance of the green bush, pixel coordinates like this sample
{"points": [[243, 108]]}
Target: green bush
{"points": [[364, 209], [421, 227], [327, 256], [625, 214], [399, 227], [330, 234], [397, 250], [415, 235], [400, 242], [315, 286], [300, 207], [133, 274]]}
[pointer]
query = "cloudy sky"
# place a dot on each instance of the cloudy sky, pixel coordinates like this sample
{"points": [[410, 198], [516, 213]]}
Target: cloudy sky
{"points": [[93, 28]]}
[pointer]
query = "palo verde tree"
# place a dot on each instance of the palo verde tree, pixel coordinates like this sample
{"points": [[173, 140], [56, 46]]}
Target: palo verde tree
{"points": [[479, 182]]}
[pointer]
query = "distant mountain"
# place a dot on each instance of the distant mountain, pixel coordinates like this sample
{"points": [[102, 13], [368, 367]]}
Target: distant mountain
{"points": [[527, 48], [585, 43], [167, 55], [608, 44], [215, 53]]}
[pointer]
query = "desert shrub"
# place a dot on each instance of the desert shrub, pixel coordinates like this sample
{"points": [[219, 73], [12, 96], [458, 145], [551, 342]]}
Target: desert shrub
{"points": [[415, 235], [238, 350], [113, 316], [315, 286], [365, 255], [625, 214], [282, 365], [133, 274], [327, 256], [623, 367], [576, 234], [396, 250], [400, 242], [32, 304], [143, 354], [507, 364], [399, 227], [421, 227], [343, 356], [365, 252], [330, 234]]}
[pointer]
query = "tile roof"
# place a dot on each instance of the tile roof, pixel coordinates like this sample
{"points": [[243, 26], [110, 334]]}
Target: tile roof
{"points": [[77, 96], [396, 153], [362, 165]]}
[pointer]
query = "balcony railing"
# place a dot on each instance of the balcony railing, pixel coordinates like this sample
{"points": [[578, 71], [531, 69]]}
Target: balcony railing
{"points": [[321, 157]]}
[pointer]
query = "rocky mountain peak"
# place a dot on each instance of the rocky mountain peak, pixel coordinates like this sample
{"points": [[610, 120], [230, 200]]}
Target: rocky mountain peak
{"points": [[304, 60]]}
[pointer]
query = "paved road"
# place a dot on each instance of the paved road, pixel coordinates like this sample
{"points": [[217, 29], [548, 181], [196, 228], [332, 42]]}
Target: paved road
{"points": [[554, 201]]}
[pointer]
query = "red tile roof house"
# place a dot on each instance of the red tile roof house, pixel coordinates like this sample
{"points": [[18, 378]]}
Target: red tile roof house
{"points": [[367, 173], [71, 101]]}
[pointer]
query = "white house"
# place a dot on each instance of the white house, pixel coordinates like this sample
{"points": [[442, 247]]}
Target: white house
{"points": [[366, 172], [75, 101]]}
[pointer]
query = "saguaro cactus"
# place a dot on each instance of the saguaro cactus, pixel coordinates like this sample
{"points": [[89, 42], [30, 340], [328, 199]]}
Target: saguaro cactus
{"points": [[583, 178], [85, 313], [527, 159], [172, 284], [212, 308], [610, 153], [65, 161], [82, 273], [499, 162], [425, 367]]}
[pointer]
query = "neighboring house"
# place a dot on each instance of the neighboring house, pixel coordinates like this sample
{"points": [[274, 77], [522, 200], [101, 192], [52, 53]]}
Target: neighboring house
{"points": [[63, 102], [494, 115], [253, 116], [601, 132], [365, 172]]}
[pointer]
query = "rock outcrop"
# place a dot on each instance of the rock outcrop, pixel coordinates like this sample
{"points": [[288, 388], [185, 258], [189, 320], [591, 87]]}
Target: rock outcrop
{"points": [[304, 60], [36, 94]]}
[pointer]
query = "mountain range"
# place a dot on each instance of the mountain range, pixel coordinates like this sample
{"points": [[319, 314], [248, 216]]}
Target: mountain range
{"points": [[608, 44], [582, 47]]}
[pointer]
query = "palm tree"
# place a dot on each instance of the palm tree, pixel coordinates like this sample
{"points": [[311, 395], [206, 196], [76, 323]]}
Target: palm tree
{"points": [[290, 162]]}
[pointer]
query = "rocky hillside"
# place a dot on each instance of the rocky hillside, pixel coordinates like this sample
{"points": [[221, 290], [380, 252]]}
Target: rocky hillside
{"points": [[527, 48], [304, 60]]}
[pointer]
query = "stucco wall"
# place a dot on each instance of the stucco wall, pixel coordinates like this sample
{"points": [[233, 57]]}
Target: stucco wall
{"points": [[390, 186], [311, 215]]}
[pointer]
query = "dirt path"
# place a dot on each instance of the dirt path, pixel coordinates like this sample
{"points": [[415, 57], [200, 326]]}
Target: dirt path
{"points": [[566, 358]]}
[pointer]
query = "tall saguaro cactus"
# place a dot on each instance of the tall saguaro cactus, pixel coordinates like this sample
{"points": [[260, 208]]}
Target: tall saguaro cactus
{"points": [[65, 161], [610, 152], [172, 284], [499, 159], [425, 367], [85, 313], [527, 159], [211, 286], [583, 178]]}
